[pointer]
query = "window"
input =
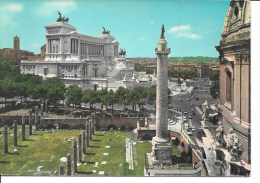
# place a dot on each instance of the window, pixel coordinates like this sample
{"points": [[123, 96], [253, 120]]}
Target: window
{"points": [[236, 12], [53, 45], [163, 47], [228, 86], [45, 71], [53, 31], [95, 87], [95, 72], [74, 46]]}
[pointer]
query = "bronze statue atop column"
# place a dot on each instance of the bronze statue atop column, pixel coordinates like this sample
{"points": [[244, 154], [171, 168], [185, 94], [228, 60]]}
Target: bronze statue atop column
{"points": [[162, 32]]}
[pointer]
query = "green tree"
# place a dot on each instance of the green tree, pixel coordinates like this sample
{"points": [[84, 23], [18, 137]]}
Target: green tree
{"points": [[151, 94], [74, 95], [41, 92], [91, 97], [122, 94], [8, 68], [149, 71], [55, 91], [111, 99], [137, 96]]}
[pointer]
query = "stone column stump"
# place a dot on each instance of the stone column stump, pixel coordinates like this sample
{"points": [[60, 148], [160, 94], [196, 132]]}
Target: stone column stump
{"points": [[79, 148], [93, 123], [61, 169], [84, 143], [23, 129], [87, 134], [75, 156], [15, 133], [30, 122], [5, 139], [90, 130], [36, 117], [68, 165], [41, 109]]}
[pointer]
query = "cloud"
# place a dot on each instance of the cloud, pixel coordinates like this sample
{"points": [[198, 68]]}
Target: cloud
{"points": [[48, 8], [183, 31], [179, 28], [13, 7], [7, 14]]}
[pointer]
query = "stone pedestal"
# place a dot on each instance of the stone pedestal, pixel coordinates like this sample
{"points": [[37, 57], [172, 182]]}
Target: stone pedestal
{"points": [[161, 152], [15, 133]]}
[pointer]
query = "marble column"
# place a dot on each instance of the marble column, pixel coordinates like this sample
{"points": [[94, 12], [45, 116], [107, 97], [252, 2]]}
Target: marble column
{"points": [[30, 122], [68, 165], [84, 142], [15, 133], [161, 147], [5, 139], [23, 129], [75, 156], [79, 148]]}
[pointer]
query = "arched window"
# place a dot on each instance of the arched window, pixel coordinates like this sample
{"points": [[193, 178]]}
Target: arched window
{"points": [[236, 12], [228, 86]]}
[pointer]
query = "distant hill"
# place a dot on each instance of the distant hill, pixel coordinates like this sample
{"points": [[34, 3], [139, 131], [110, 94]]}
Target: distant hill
{"points": [[193, 59]]}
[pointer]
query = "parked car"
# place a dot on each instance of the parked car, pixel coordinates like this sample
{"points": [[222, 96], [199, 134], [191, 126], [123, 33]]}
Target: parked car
{"points": [[189, 132], [186, 125]]}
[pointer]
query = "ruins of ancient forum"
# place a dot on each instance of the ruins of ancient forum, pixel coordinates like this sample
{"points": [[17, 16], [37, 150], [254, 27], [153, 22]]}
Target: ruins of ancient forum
{"points": [[190, 132]]}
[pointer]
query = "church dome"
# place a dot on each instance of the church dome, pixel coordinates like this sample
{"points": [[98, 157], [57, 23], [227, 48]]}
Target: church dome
{"points": [[238, 16], [237, 22]]}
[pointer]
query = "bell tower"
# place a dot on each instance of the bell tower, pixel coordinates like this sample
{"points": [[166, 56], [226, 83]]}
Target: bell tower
{"points": [[16, 44]]}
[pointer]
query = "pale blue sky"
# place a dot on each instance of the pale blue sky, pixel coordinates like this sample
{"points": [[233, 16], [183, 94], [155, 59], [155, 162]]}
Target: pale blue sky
{"points": [[193, 27]]}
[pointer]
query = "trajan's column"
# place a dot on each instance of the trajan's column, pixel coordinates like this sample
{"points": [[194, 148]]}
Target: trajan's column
{"points": [[161, 147]]}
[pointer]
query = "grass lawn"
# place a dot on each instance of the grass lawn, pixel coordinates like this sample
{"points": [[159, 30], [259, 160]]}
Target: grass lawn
{"points": [[46, 149]]}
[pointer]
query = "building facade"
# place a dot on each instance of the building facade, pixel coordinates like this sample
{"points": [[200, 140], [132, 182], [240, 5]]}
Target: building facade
{"points": [[14, 54], [73, 57], [234, 51]]}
